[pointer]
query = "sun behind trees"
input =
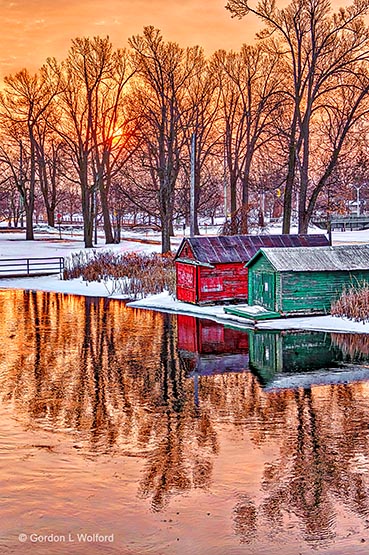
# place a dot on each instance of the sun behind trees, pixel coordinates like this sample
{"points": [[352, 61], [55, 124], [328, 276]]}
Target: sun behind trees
{"points": [[106, 134]]}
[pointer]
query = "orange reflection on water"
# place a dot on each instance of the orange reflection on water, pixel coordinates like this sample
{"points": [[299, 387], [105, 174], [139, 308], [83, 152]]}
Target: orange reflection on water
{"points": [[96, 401]]}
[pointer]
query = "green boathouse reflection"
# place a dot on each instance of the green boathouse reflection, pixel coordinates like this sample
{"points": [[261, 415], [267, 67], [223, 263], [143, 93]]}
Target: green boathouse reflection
{"points": [[301, 358], [114, 380], [273, 352]]}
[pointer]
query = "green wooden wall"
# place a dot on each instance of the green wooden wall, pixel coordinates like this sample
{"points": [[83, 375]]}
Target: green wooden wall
{"points": [[298, 292], [315, 291]]}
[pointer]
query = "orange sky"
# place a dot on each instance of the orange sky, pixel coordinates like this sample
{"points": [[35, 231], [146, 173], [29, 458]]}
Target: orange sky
{"points": [[31, 30]]}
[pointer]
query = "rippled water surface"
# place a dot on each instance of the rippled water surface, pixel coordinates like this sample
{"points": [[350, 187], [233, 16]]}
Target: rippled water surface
{"points": [[134, 432]]}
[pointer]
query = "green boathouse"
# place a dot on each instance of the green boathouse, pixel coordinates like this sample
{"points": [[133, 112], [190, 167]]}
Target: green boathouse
{"points": [[295, 281]]}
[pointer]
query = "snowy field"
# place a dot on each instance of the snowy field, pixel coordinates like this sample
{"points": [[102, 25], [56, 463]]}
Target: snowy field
{"points": [[14, 245]]}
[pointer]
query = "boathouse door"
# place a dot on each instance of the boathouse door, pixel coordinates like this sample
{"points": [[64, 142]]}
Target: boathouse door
{"points": [[264, 290]]}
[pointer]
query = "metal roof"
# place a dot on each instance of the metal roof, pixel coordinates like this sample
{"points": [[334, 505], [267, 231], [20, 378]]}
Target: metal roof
{"points": [[342, 257], [224, 249]]}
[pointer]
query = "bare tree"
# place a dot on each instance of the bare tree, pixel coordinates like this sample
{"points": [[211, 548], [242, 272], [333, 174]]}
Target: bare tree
{"points": [[87, 76], [324, 59], [24, 105], [249, 81], [202, 136], [164, 70], [113, 135]]}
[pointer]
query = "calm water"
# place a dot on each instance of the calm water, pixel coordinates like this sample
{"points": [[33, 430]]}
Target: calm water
{"points": [[135, 432]]}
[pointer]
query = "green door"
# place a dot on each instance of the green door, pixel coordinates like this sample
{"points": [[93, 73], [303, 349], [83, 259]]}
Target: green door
{"points": [[269, 291], [264, 290]]}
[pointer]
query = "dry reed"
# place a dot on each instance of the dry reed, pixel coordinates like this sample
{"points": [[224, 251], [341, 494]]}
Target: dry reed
{"points": [[353, 303], [130, 274]]}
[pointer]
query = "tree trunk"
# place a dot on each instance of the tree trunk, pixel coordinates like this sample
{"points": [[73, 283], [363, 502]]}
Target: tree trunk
{"points": [[50, 215], [30, 201], [166, 216], [245, 201], [87, 212], [233, 191], [290, 179], [196, 203], [109, 239], [117, 228], [165, 235], [29, 225], [304, 181], [303, 223], [171, 228]]}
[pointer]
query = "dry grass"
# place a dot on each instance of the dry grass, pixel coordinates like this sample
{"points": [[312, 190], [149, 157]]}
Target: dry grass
{"points": [[353, 303], [132, 275]]}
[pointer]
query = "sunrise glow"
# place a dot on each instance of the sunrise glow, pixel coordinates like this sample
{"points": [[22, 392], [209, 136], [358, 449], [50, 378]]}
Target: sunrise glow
{"points": [[34, 30]]}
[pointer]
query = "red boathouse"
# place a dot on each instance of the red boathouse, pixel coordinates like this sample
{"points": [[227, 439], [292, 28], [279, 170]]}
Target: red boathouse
{"points": [[212, 269]]}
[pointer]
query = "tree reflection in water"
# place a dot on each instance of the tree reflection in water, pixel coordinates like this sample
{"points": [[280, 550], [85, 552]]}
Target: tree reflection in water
{"points": [[184, 439], [111, 375], [315, 475], [112, 379]]}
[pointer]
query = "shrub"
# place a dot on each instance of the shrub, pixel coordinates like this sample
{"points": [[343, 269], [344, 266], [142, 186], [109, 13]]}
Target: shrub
{"points": [[131, 274], [353, 303]]}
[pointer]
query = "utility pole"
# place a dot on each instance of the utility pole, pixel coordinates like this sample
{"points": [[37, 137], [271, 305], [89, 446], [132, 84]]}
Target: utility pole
{"points": [[95, 214], [192, 184], [225, 183], [357, 199], [21, 198]]}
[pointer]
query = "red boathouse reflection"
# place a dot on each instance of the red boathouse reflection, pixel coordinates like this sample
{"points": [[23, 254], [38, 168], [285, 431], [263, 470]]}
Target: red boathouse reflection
{"points": [[206, 347]]}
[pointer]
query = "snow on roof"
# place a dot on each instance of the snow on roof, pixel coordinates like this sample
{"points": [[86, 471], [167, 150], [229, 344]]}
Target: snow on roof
{"points": [[225, 249], [350, 257]]}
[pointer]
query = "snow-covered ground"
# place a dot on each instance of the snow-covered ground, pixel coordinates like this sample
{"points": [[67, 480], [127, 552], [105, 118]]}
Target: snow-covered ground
{"points": [[14, 245], [166, 303]]}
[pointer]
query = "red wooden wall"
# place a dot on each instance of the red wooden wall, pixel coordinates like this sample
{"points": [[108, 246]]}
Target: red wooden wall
{"points": [[201, 284], [225, 281]]}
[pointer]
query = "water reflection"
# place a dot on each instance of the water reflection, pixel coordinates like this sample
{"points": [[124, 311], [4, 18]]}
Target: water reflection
{"points": [[315, 475], [208, 348], [78, 364], [178, 395], [302, 359], [184, 440]]}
